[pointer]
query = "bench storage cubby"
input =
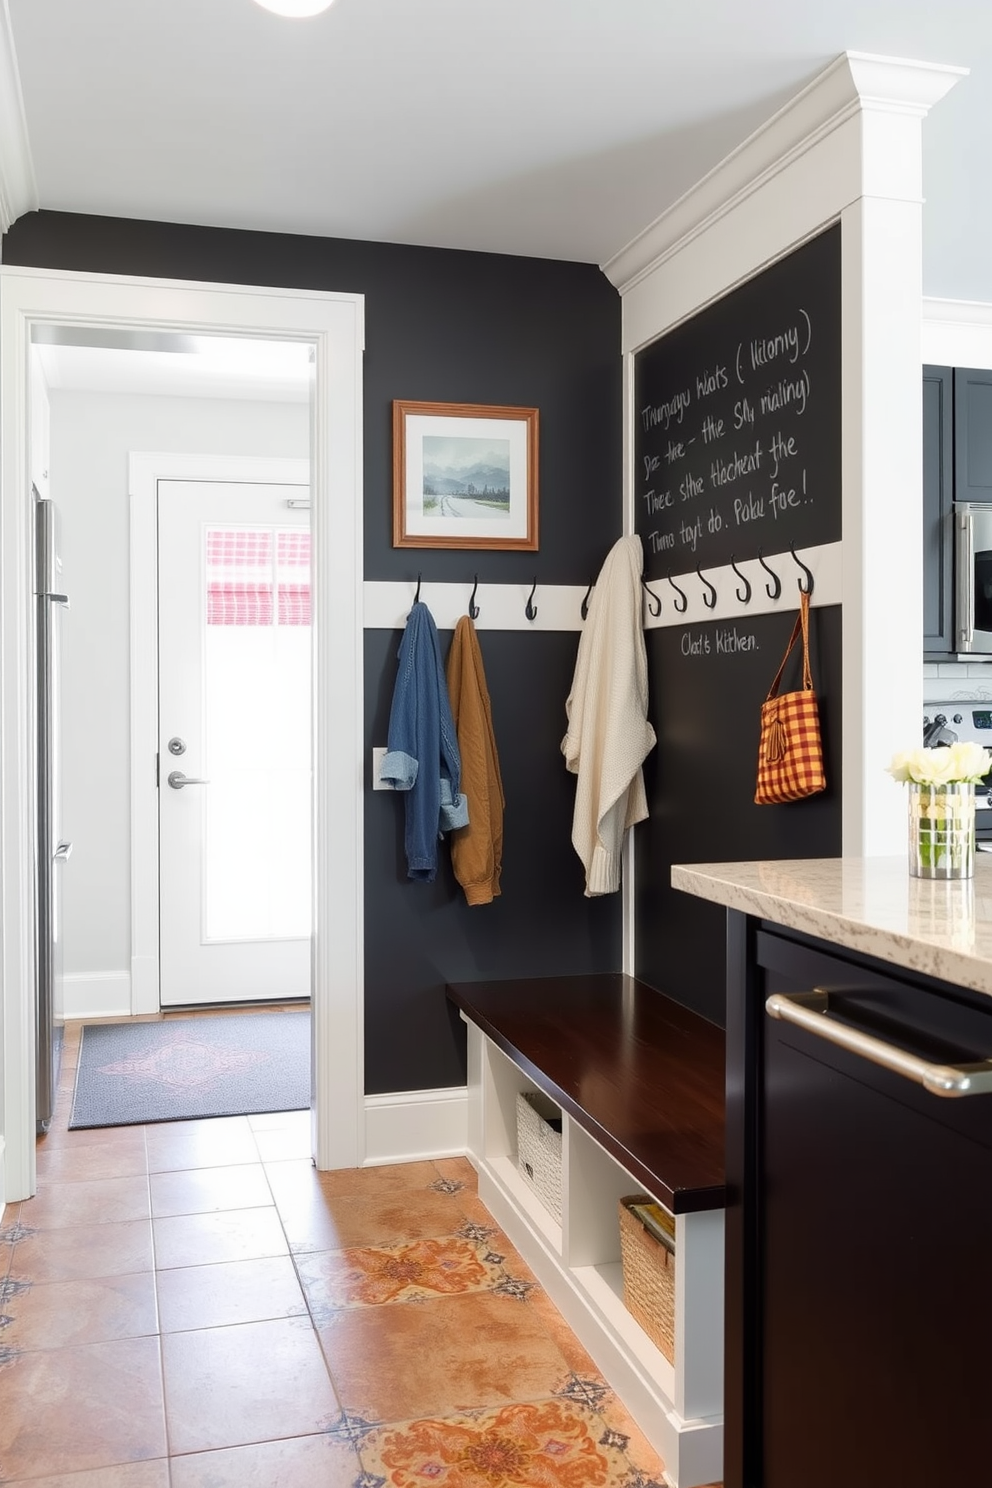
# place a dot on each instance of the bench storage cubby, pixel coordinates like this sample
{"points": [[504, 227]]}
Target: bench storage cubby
{"points": [[639, 1083]]}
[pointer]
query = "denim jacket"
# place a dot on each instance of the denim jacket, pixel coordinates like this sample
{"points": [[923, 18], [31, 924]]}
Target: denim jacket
{"points": [[422, 756]]}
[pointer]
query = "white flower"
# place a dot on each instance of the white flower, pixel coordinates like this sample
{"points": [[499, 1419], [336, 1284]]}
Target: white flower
{"points": [[949, 765]]}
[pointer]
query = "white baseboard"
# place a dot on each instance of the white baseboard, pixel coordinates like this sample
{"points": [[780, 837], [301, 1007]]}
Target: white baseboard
{"points": [[3, 1179], [97, 994], [411, 1125]]}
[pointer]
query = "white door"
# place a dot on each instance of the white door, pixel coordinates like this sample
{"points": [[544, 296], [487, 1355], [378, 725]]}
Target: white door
{"points": [[235, 725]]}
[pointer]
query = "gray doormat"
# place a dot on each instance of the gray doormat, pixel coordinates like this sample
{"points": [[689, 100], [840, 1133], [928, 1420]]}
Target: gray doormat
{"points": [[184, 1069]]}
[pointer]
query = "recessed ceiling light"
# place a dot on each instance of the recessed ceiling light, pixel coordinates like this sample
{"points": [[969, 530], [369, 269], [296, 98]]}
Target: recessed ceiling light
{"points": [[295, 7]]}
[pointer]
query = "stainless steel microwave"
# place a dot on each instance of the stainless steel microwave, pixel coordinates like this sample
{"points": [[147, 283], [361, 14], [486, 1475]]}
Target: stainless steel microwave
{"points": [[973, 578]]}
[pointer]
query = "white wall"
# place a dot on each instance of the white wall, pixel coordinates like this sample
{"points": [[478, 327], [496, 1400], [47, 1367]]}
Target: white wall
{"points": [[92, 435]]}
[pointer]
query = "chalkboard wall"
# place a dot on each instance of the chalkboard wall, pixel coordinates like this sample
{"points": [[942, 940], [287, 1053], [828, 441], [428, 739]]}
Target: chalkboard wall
{"points": [[737, 450], [737, 418]]}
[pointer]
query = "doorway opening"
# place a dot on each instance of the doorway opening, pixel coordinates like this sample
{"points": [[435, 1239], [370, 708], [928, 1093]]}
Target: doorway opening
{"points": [[331, 326]]}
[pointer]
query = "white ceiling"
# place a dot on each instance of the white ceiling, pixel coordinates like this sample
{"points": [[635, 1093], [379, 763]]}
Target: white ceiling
{"points": [[555, 128], [194, 367]]}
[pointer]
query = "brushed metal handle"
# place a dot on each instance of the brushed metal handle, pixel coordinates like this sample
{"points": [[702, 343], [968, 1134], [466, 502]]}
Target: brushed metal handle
{"points": [[177, 780], [964, 620], [810, 1010]]}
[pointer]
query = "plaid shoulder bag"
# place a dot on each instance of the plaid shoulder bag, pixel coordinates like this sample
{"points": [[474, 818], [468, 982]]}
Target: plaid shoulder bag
{"points": [[790, 754]]}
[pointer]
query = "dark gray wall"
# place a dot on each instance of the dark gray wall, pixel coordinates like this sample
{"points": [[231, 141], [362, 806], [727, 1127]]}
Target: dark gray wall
{"points": [[448, 327]]}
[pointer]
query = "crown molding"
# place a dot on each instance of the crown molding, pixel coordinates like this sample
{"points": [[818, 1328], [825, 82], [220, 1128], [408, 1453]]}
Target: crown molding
{"points": [[853, 82], [18, 189], [957, 312]]}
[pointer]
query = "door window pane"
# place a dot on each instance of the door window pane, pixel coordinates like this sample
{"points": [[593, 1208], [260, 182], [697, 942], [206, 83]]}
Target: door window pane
{"points": [[256, 871]]}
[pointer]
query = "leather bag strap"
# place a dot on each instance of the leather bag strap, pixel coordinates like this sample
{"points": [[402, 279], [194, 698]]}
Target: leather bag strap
{"points": [[801, 627]]}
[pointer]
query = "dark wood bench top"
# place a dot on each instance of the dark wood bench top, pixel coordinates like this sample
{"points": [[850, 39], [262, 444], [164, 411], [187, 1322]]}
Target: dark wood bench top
{"points": [[642, 1074]]}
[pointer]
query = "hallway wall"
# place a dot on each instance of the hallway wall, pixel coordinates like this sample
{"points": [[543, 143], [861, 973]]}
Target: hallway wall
{"points": [[448, 327]]}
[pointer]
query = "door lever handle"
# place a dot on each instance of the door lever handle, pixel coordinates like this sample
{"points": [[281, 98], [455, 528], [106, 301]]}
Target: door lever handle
{"points": [[177, 780]]}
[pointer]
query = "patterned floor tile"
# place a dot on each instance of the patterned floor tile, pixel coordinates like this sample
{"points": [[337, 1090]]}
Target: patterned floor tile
{"points": [[549, 1444], [367, 1277]]}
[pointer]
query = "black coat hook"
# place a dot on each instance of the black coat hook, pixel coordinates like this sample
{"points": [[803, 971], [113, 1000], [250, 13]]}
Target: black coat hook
{"points": [[806, 588], [585, 602], [772, 593], [530, 608], [709, 600], [744, 598], [681, 593], [416, 597], [473, 608], [652, 598]]}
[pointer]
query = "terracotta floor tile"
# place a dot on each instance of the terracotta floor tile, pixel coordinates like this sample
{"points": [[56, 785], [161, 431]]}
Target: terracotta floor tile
{"points": [[280, 1121], [205, 1190], [298, 1462], [294, 1182], [96, 1201], [89, 1407], [59, 1135], [230, 1235], [371, 1182], [458, 1169], [225, 1387], [572, 1350], [369, 1277], [235, 1292], [440, 1357], [84, 1252], [91, 1161], [56, 1314], [282, 1143], [128, 1475], [557, 1443], [643, 1457], [339, 1222], [215, 1143]]}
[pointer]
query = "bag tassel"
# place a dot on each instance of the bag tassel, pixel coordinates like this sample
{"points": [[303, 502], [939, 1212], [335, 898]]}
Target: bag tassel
{"points": [[775, 743]]}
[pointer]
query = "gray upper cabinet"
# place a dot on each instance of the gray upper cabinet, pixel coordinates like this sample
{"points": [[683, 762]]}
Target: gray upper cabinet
{"points": [[938, 496], [972, 434]]}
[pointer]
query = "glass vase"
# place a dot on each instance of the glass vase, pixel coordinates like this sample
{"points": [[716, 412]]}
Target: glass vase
{"points": [[941, 831]]}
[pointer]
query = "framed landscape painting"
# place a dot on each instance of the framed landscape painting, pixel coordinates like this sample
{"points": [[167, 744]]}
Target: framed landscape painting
{"points": [[464, 476]]}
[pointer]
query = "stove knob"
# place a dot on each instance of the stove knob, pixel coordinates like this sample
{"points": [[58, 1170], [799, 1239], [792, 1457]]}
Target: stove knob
{"points": [[957, 718]]}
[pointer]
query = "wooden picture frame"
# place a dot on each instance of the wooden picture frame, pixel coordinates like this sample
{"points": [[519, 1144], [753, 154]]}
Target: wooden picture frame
{"points": [[465, 476]]}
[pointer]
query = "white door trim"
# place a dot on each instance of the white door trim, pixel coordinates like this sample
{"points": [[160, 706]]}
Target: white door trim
{"points": [[145, 470], [333, 324]]}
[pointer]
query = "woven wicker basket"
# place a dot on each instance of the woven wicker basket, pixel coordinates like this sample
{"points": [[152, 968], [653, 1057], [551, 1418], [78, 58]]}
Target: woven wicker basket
{"points": [[647, 1252], [539, 1147]]}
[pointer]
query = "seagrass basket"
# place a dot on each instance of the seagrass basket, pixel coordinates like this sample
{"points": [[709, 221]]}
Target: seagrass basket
{"points": [[539, 1147], [647, 1254]]}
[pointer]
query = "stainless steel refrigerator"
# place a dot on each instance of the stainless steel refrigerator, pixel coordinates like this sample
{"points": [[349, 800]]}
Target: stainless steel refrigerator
{"points": [[51, 603]]}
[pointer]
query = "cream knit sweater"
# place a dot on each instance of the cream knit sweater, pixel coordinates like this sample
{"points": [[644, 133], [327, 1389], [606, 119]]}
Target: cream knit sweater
{"points": [[608, 733]]}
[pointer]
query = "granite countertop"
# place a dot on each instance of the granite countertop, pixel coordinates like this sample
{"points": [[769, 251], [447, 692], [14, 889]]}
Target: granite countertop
{"points": [[869, 905]]}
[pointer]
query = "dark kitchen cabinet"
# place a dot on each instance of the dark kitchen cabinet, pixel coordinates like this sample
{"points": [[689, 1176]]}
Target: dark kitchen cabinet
{"points": [[938, 497], [972, 434], [859, 1283]]}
